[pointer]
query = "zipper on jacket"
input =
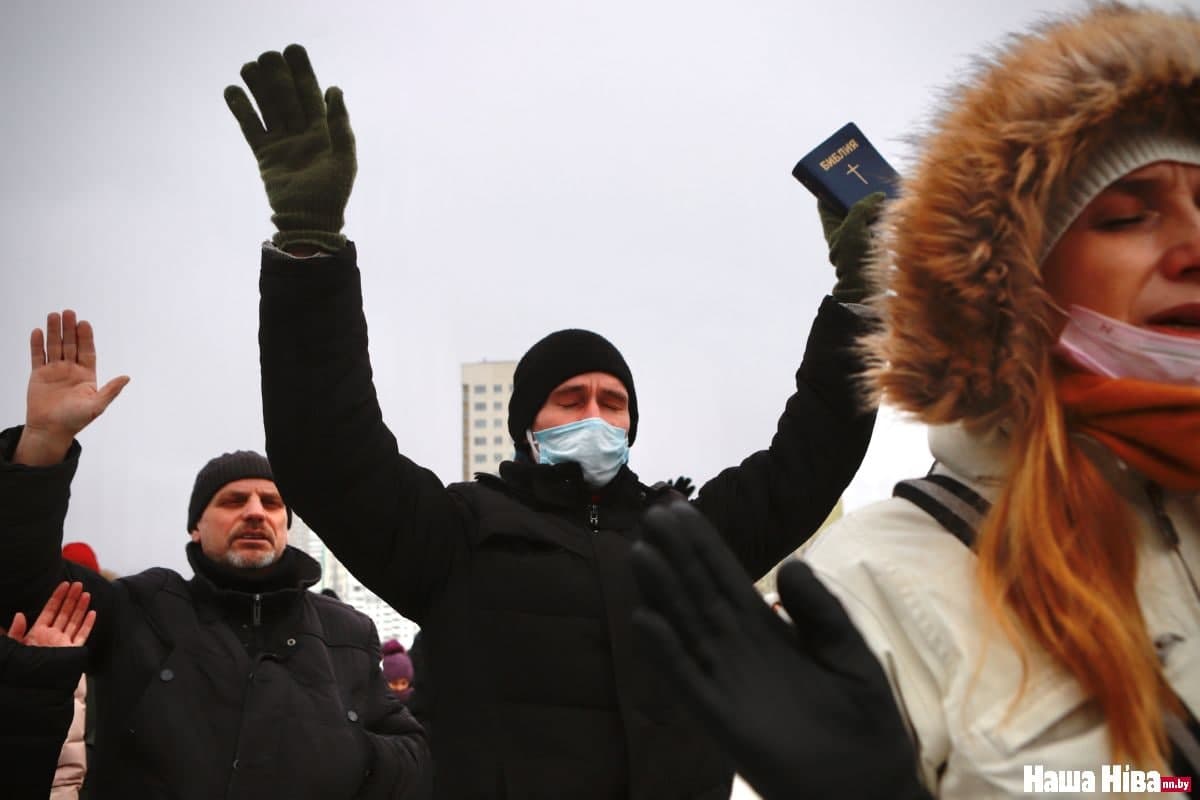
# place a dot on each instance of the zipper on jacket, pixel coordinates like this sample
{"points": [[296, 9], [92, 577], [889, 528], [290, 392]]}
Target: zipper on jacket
{"points": [[1167, 528], [256, 614], [594, 516]]}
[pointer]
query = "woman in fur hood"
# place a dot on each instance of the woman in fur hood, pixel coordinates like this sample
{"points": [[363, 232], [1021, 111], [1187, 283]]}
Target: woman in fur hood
{"points": [[1038, 623], [1042, 315]]}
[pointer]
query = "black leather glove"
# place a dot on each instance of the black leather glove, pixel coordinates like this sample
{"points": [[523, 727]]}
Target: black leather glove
{"points": [[849, 240], [683, 484], [303, 144], [805, 711]]}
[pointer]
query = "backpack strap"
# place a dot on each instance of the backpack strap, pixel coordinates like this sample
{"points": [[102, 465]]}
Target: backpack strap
{"points": [[957, 507], [1185, 747]]}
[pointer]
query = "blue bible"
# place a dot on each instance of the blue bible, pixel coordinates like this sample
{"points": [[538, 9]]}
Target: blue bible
{"points": [[845, 168]]}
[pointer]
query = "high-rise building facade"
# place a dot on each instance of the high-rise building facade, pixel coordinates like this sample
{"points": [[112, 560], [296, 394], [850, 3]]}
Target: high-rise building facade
{"points": [[486, 388]]}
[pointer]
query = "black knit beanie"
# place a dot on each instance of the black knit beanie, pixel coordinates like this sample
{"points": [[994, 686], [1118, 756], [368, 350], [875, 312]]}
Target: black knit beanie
{"points": [[223, 469], [561, 355]]}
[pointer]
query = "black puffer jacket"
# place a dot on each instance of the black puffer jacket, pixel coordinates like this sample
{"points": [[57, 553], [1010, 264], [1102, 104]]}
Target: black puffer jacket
{"points": [[227, 685], [37, 686], [521, 583]]}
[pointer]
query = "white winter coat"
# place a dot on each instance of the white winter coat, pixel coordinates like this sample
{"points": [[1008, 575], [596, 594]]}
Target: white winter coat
{"points": [[910, 587]]}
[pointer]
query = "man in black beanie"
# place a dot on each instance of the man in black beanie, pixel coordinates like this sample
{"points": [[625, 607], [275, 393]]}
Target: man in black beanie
{"points": [[237, 683], [231, 481], [573, 401], [520, 582]]}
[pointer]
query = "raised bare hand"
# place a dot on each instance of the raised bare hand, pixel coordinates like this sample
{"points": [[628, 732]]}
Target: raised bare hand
{"points": [[64, 622], [62, 398]]}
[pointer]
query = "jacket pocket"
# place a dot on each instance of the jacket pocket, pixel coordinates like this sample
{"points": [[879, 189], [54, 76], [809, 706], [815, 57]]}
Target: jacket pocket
{"points": [[1052, 711]]}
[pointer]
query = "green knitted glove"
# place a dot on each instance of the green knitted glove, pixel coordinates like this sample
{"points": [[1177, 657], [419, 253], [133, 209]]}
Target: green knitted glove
{"points": [[849, 241], [304, 147]]}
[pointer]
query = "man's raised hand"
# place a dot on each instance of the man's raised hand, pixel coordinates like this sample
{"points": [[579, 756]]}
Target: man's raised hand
{"points": [[64, 622], [62, 398], [303, 144]]}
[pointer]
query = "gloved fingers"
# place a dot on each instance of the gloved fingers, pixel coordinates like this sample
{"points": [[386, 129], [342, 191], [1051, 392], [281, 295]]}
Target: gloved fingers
{"points": [[270, 81], [664, 593], [675, 528], [823, 627], [850, 241], [865, 211], [281, 85], [246, 116], [308, 92], [684, 485], [252, 76], [658, 639], [341, 137], [707, 566]]}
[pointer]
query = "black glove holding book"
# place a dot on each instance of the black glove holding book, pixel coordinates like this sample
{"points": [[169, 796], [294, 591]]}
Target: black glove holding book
{"points": [[804, 711]]}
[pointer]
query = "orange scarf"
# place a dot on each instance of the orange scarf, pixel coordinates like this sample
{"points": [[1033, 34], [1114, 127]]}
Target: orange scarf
{"points": [[1153, 427]]}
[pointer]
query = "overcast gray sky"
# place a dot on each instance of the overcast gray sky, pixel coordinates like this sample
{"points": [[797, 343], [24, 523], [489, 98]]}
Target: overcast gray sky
{"points": [[523, 166]]}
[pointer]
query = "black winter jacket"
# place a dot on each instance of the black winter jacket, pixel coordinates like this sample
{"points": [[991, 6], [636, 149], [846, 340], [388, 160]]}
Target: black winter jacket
{"points": [[227, 685], [37, 703], [521, 583]]}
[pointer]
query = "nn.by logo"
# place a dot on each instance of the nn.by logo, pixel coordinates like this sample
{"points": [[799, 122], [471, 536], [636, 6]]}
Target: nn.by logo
{"points": [[1112, 778], [1176, 783]]}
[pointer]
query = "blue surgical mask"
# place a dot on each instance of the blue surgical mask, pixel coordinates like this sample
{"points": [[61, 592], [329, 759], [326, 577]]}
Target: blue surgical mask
{"points": [[597, 447]]}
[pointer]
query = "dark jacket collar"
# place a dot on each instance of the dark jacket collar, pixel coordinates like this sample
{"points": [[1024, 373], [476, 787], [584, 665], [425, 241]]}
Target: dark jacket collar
{"points": [[295, 571], [562, 486]]}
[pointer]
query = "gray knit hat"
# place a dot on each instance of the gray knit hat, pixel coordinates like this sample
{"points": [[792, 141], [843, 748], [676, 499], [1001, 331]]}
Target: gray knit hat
{"points": [[1115, 160], [223, 469]]}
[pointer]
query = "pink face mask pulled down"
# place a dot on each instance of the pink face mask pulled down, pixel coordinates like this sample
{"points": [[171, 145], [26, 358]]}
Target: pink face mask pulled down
{"points": [[1105, 346]]}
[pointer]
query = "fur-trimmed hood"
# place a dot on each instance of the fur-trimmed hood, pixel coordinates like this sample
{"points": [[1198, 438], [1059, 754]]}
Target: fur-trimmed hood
{"points": [[968, 327]]}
